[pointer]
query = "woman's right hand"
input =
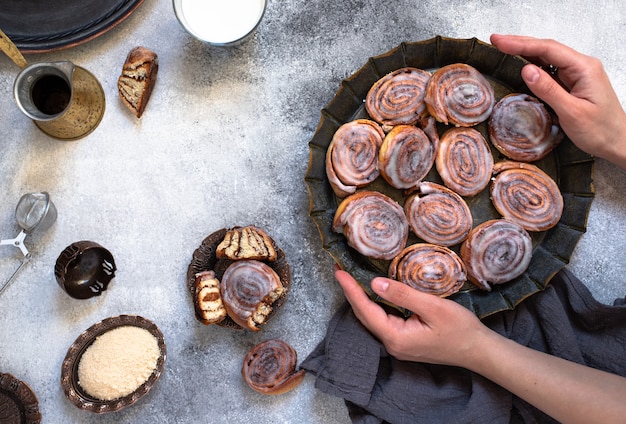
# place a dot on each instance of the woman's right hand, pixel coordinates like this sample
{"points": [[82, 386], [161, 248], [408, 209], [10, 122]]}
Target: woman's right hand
{"points": [[580, 93], [440, 331]]}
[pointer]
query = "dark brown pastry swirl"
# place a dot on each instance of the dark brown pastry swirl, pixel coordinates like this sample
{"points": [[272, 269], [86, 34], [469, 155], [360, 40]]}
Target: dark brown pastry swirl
{"points": [[398, 97], [523, 193], [248, 289], [522, 128], [270, 368], [373, 224], [429, 268], [464, 161], [458, 94], [352, 156], [496, 251], [438, 215], [406, 156]]}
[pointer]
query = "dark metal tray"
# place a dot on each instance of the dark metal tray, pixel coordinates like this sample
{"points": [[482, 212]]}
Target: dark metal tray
{"points": [[37, 26], [571, 168]]}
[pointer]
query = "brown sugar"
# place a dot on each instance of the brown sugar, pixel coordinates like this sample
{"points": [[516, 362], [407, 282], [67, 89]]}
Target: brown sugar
{"points": [[118, 362]]}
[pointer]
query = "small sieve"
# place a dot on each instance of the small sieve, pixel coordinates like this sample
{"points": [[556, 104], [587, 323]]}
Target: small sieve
{"points": [[34, 211]]}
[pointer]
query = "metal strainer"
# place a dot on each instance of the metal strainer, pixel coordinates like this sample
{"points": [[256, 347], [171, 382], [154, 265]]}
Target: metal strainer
{"points": [[34, 211]]}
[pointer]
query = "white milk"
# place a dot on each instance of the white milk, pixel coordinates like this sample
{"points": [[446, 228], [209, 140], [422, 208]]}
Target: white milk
{"points": [[220, 21]]}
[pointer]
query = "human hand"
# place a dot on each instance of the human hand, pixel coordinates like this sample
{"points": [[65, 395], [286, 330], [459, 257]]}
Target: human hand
{"points": [[440, 331], [588, 108], [443, 332]]}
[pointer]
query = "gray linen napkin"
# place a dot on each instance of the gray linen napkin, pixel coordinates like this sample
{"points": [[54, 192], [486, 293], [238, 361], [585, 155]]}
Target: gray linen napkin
{"points": [[563, 320]]}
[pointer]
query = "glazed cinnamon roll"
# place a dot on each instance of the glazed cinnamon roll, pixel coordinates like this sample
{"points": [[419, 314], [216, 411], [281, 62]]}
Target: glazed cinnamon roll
{"points": [[523, 193], [522, 128], [429, 268], [398, 97], [429, 125], [438, 215], [464, 161], [406, 156], [373, 224], [458, 94], [352, 156], [248, 289], [270, 368], [496, 251]]}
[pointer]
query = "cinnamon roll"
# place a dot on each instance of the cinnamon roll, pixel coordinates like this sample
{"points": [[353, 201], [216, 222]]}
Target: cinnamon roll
{"points": [[270, 367], [429, 125], [352, 156], [496, 251], [438, 215], [464, 161], [522, 128], [248, 289], [398, 97], [458, 94], [523, 193], [429, 268], [373, 224], [406, 156]]}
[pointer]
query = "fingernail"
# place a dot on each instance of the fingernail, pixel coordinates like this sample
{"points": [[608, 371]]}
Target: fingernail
{"points": [[530, 73], [381, 284]]}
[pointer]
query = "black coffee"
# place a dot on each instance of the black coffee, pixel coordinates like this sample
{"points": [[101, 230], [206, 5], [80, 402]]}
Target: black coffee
{"points": [[51, 94]]}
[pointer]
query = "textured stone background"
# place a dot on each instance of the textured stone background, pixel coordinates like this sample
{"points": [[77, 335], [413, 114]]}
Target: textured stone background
{"points": [[224, 142]]}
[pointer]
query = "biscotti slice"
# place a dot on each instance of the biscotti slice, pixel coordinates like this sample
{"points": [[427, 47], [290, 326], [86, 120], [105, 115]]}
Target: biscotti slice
{"points": [[138, 77], [247, 243], [207, 299]]}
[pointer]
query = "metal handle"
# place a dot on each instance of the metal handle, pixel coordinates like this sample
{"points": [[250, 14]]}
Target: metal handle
{"points": [[9, 48], [6, 284], [17, 242]]}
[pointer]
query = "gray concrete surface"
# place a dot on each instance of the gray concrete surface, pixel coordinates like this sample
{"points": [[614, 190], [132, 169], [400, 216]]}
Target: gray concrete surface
{"points": [[223, 142]]}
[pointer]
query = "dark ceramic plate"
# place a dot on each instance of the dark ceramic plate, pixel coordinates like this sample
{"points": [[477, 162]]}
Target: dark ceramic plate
{"points": [[205, 258], [18, 403], [571, 168], [69, 369], [37, 26]]}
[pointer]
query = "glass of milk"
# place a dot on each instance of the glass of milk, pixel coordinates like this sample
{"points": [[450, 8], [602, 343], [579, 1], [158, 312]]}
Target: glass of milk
{"points": [[220, 22]]}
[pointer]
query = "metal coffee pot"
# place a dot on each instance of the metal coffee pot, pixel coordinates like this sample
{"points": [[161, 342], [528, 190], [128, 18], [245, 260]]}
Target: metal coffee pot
{"points": [[64, 100]]}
